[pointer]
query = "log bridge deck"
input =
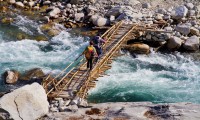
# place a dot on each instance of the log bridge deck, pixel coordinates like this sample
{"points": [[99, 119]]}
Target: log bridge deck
{"points": [[79, 80]]}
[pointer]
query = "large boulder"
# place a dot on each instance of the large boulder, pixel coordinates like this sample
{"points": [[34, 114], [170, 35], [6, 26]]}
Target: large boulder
{"points": [[183, 28], [54, 12], [115, 11], [174, 43], [12, 1], [179, 12], [19, 4], [26, 103], [138, 48], [190, 6], [35, 73], [31, 4], [79, 17], [192, 43], [11, 76], [194, 31], [99, 21]]}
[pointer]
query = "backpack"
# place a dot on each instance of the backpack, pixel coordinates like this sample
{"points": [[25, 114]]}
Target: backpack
{"points": [[90, 52]]}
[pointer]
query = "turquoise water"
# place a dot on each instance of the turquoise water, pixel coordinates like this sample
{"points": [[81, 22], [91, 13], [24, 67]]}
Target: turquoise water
{"points": [[156, 77]]}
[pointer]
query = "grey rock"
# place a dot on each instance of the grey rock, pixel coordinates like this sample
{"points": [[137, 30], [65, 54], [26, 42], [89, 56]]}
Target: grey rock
{"points": [[190, 6], [47, 2], [31, 4], [155, 38], [79, 17], [12, 1], [91, 9], [168, 28], [192, 43], [100, 21], [132, 2], [179, 12], [19, 4], [183, 28], [148, 36], [167, 36], [112, 18], [174, 43], [194, 31], [146, 5], [116, 11], [158, 16], [191, 13], [166, 17], [83, 103], [45, 19], [53, 13], [54, 109], [69, 5], [161, 11], [73, 108]]}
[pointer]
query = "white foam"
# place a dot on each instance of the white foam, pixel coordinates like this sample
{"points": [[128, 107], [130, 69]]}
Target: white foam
{"points": [[25, 24], [177, 80], [27, 54]]}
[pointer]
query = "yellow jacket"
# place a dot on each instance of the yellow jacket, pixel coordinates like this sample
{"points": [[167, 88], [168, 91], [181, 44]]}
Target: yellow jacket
{"points": [[90, 52]]}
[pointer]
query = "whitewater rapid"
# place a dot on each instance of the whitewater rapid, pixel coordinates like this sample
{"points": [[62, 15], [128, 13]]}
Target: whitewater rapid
{"points": [[157, 78]]}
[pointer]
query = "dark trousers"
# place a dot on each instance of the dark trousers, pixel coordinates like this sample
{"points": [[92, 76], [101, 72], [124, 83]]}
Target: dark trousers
{"points": [[99, 50], [89, 63]]}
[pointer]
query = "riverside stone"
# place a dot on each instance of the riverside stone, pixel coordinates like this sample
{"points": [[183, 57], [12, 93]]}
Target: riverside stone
{"points": [[79, 17], [138, 48], [35, 73], [161, 11], [31, 4], [100, 21], [190, 6], [132, 2], [179, 12], [53, 13], [28, 102], [192, 43], [183, 28], [19, 4], [12, 1], [174, 43], [115, 11], [194, 31], [47, 2], [191, 13], [146, 5], [11, 76]]}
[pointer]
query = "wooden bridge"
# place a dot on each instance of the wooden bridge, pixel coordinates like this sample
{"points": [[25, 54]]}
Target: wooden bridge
{"points": [[78, 80]]}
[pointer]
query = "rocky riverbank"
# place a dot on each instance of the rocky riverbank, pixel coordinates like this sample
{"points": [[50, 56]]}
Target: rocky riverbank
{"points": [[177, 22], [24, 103]]}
